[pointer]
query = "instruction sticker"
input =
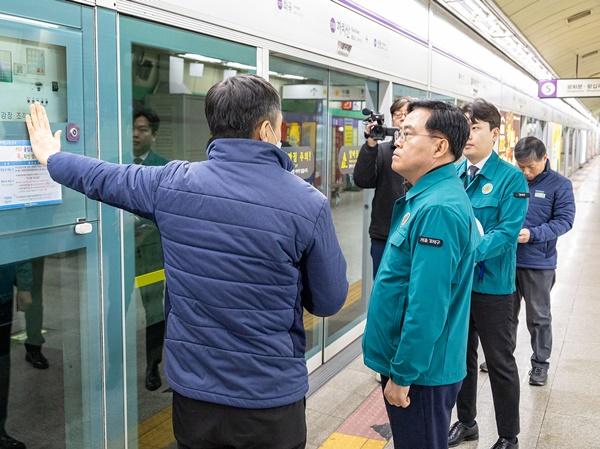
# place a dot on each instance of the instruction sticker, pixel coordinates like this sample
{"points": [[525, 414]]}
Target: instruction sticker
{"points": [[24, 182]]}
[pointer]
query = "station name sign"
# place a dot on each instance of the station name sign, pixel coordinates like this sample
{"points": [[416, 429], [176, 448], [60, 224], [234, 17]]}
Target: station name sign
{"points": [[569, 88]]}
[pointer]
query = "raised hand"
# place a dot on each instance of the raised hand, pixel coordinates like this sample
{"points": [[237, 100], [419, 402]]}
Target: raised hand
{"points": [[43, 143]]}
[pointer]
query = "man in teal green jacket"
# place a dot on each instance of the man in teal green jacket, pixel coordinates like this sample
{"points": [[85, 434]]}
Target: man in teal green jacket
{"points": [[148, 250], [499, 195], [416, 332]]}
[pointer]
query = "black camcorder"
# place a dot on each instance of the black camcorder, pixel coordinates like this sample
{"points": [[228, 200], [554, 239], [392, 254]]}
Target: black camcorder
{"points": [[379, 131]]}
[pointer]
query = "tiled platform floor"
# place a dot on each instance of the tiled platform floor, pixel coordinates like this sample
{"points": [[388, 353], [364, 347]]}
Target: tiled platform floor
{"points": [[563, 414]]}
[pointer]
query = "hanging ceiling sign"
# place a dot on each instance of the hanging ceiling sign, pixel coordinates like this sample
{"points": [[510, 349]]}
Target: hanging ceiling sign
{"points": [[569, 88]]}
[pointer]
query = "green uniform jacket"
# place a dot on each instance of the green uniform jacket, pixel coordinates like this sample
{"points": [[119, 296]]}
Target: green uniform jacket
{"points": [[149, 256], [499, 196], [418, 317]]}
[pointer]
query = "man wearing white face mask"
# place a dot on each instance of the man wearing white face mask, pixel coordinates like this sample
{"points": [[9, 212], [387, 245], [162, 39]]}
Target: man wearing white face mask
{"points": [[247, 246], [278, 139]]}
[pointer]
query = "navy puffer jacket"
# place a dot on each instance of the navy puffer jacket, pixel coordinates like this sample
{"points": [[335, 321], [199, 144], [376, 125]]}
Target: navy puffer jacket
{"points": [[550, 214], [247, 245]]}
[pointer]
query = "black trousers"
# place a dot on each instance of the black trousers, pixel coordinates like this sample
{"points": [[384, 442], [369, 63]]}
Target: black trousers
{"points": [[6, 312], [203, 425], [534, 287], [493, 324], [34, 315], [424, 423]]}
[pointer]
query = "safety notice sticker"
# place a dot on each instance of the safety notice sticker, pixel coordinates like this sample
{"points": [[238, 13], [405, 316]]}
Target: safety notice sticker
{"points": [[24, 182]]}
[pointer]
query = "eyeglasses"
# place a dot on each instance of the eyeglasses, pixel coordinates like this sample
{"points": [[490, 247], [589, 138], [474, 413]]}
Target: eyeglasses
{"points": [[405, 137], [399, 114]]}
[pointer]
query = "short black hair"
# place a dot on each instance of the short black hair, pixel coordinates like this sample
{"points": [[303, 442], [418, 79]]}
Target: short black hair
{"points": [[482, 111], [399, 104], [150, 115], [237, 105], [447, 120], [529, 149]]}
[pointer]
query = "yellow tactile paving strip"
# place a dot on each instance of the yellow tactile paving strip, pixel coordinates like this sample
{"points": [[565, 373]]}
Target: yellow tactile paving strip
{"points": [[340, 441], [157, 431]]}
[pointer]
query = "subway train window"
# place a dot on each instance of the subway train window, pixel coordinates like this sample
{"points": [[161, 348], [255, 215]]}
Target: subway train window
{"points": [[348, 95], [169, 74]]}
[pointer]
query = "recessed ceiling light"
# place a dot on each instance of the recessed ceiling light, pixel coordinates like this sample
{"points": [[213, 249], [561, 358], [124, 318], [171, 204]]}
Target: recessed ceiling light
{"points": [[579, 15]]}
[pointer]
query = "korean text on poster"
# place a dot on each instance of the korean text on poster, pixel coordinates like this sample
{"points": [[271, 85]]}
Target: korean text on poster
{"points": [[24, 182]]}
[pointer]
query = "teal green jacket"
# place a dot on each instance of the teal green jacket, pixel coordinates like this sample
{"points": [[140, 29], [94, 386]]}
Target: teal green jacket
{"points": [[499, 196], [418, 318], [148, 250]]}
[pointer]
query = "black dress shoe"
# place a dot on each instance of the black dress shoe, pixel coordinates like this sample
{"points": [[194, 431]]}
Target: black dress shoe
{"points": [[459, 432], [153, 381], [503, 443], [37, 359], [538, 376], [7, 442]]}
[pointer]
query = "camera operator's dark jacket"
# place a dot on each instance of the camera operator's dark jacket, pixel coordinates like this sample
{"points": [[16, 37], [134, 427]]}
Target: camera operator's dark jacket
{"points": [[373, 170]]}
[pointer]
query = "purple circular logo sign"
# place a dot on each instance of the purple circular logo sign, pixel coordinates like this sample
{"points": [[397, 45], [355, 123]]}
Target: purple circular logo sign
{"points": [[280, 4], [332, 25]]}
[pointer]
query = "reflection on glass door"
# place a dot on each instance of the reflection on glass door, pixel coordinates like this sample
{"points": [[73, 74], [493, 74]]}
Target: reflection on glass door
{"points": [[400, 91], [348, 95], [49, 342], [441, 97], [303, 91], [50, 352], [165, 75]]}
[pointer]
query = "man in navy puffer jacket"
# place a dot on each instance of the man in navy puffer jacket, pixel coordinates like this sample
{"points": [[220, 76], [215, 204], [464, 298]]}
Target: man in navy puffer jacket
{"points": [[247, 246], [550, 214]]}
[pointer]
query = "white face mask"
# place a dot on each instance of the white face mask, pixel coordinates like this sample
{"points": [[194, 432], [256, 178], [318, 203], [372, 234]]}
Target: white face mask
{"points": [[278, 144]]}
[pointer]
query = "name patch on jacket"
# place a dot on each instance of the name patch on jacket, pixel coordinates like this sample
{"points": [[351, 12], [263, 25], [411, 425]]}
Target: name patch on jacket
{"points": [[430, 241], [521, 194]]}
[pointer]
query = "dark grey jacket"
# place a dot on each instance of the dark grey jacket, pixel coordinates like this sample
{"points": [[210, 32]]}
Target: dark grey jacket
{"points": [[373, 170]]}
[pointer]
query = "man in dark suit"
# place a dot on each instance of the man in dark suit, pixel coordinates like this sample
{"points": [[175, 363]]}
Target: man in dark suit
{"points": [[148, 252]]}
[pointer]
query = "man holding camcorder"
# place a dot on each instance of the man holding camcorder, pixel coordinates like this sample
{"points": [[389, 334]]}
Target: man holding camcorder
{"points": [[373, 170]]}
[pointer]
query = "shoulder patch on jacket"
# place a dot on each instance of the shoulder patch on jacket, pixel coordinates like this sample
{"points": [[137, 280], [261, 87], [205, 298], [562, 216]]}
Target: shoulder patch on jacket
{"points": [[521, 194], [430, 241]]}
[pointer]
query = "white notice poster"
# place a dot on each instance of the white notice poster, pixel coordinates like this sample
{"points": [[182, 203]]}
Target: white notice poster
{"points": [[24, 182]]}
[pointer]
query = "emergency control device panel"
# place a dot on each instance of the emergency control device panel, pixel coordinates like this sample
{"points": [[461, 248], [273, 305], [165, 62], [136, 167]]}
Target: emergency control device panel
{"points": [[39, 62], [32, 71]]}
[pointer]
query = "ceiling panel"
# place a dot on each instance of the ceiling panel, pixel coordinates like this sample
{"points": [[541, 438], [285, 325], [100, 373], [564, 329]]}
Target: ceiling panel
{"points": [[544, 24]]}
